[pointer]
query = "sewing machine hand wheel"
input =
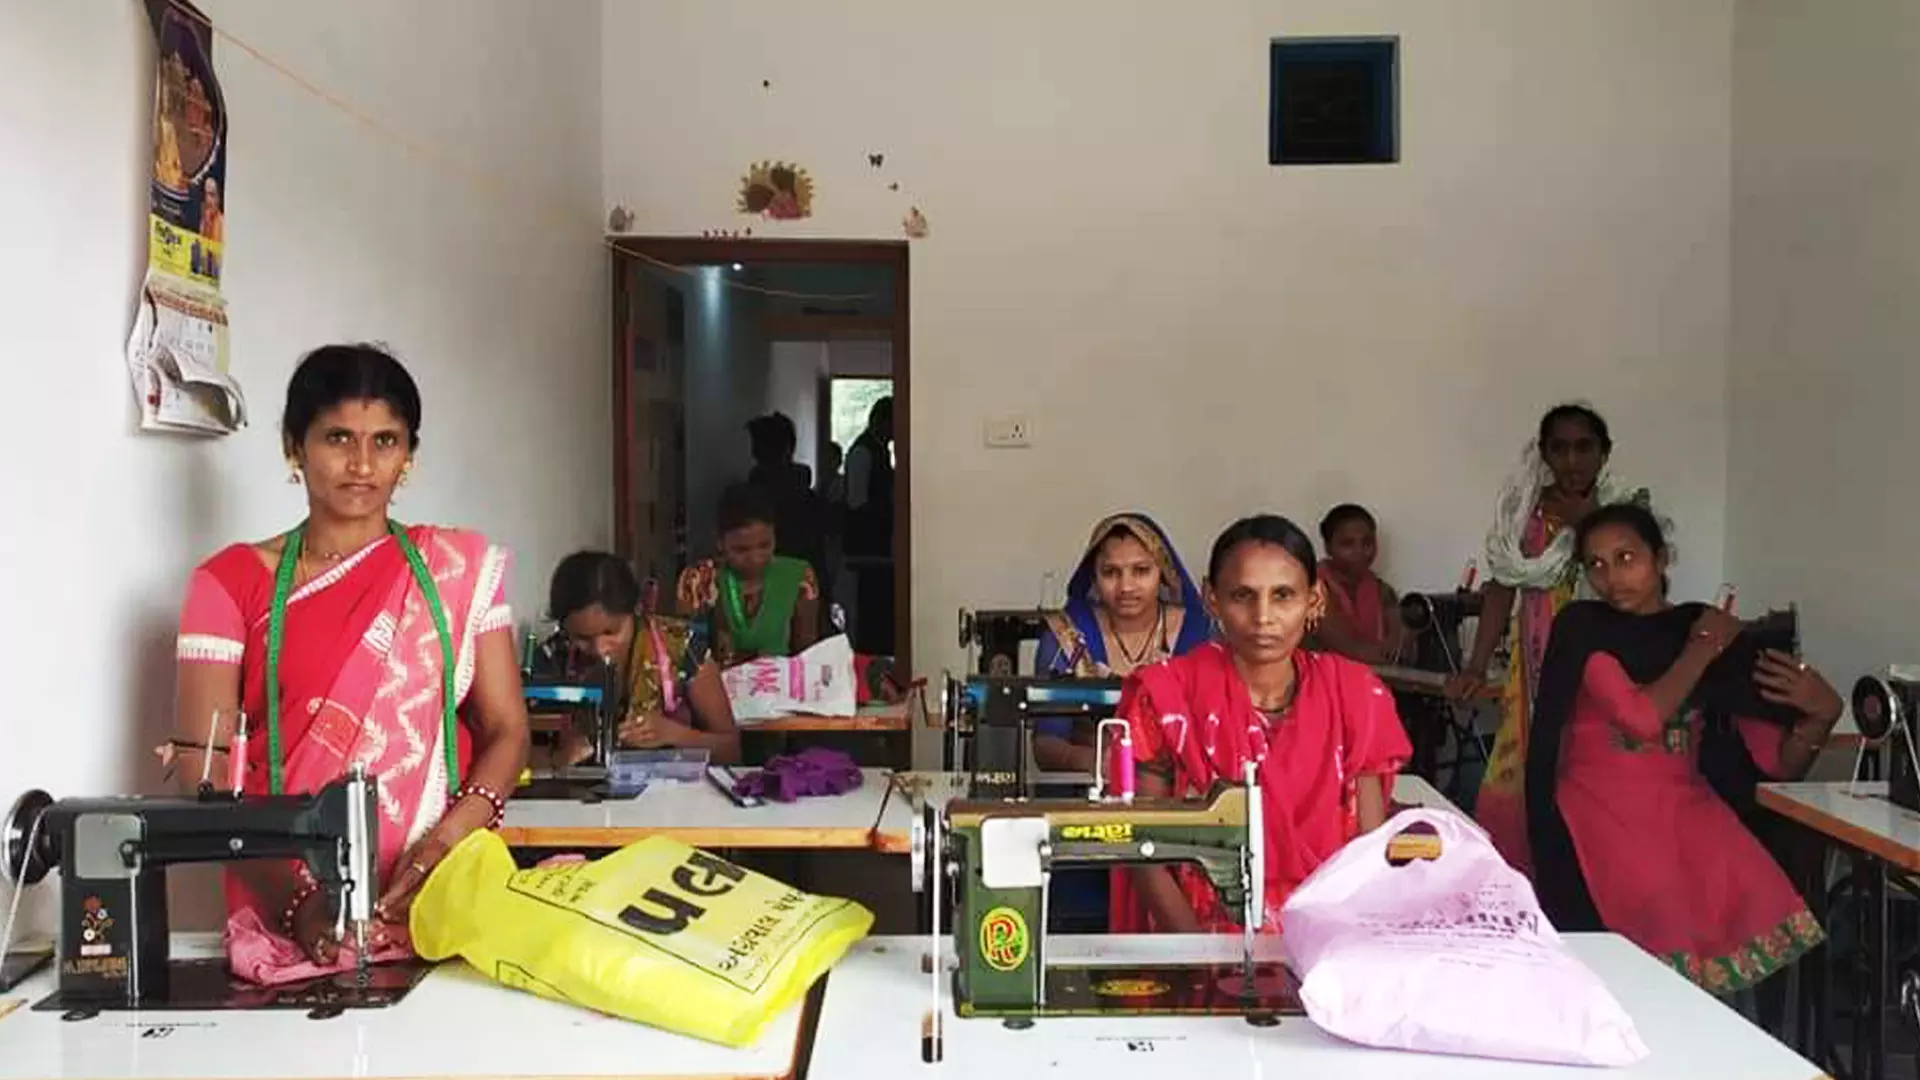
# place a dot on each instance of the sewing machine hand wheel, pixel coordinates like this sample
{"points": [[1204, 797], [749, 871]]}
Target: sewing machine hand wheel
{"points": [[26, 848], [1877, 708]]}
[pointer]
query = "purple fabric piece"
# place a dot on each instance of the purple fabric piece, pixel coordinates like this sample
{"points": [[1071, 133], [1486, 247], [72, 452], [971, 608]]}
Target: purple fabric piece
{"points": [[818, 771]]}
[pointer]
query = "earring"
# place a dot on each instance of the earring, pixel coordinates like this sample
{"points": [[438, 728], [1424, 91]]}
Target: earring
{"points": [[406, 473], [293, 474]]}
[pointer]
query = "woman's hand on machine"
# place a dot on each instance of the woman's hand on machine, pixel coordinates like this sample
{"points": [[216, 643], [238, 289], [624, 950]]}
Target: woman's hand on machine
{"points": [[1467, 684], [1787, 681], [651, 731], [413, 868], [313, 929]]}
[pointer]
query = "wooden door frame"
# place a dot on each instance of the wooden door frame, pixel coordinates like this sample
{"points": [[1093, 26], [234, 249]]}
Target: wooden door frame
{"points": [[688, 250]]}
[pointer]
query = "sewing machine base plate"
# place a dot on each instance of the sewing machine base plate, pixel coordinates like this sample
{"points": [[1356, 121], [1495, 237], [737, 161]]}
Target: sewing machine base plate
{"points": [[1159, 990], [568, 789], [207, 985], [16, 966]]}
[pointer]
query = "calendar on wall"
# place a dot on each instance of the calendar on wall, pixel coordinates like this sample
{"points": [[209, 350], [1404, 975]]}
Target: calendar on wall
{"points": [[177, 355]]}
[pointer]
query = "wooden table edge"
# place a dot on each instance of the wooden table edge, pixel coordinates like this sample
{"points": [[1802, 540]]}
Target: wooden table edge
{"points": [[1839, 829], [556, 836]]}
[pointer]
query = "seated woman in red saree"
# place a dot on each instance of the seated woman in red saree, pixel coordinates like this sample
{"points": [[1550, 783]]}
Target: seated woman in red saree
{"points": [[393, 650], [1628, 835], [1321, 729]]}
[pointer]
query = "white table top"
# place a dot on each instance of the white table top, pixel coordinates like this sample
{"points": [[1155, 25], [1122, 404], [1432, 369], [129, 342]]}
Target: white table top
{"points": [[1858, 815], [870, 1024], [698, 814], [454, 1024]]}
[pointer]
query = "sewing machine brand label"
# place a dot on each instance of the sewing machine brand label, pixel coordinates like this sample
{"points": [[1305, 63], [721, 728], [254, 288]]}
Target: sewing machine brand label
{"points": [[1130, 988], [1003, 939], [95, 922], [1108, 832]]}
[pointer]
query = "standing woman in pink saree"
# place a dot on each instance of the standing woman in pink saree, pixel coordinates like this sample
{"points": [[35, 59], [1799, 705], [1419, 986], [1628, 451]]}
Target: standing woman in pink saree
{"points": [[350, 640]]}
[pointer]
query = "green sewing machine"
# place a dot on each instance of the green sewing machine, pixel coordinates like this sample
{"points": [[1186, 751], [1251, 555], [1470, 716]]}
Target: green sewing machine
{"points": [[998, 857]]}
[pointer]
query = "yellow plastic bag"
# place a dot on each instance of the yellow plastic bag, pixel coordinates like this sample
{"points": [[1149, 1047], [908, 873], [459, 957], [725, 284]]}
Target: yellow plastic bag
{"points": [[657, 932]]}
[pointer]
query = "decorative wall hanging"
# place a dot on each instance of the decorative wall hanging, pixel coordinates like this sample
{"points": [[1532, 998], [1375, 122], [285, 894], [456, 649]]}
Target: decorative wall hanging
{"points": [[914, 224], [177, 353], [777, 190]]}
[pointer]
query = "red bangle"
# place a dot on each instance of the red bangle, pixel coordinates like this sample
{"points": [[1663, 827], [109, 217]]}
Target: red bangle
{"points": [[300, 898], [493, 799]]}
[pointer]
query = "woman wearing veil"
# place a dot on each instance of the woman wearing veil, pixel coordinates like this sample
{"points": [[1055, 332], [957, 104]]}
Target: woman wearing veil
{"points": [[1130, 603], [1533, 571]]}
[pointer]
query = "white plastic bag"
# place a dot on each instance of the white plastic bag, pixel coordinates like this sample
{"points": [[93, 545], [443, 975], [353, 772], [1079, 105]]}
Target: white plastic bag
{"points": [[818, 682], [1451, 955]]}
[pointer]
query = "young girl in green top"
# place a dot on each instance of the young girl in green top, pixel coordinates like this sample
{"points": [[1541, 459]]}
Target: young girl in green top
{"points": [[756, 602]]}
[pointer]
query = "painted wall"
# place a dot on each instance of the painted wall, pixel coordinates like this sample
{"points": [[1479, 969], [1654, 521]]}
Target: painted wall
{"points": [[1826, 205], [496, 299], [1191, 331], [728, 371], [793, 387]]}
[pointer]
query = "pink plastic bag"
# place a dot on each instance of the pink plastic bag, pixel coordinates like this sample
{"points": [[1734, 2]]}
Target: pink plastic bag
{"points": [[1450, 955], [818, 682]]}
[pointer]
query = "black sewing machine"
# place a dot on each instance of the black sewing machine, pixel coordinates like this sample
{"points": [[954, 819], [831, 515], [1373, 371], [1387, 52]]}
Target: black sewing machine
{"points": [[1884, 709], [546, 656], [113, 855], [989, 724], [999, 634], [588, 695], [1432, 622]]}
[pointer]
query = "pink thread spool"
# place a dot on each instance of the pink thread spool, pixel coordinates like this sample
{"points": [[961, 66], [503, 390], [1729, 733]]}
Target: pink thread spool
{"points": [[236, 755]]}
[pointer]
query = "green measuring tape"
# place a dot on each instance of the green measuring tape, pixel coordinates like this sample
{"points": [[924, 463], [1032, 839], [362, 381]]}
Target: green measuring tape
{"points": [[736, 606], [276, 636]]}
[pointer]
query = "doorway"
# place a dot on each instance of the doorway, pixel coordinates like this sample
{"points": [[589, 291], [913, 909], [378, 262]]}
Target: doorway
{"points": [[711, 334]]}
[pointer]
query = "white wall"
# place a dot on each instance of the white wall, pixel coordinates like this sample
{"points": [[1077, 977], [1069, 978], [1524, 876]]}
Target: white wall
{"points": [[727, 373], [1105, 229], [496, 302], [793, 387], [1824, 377]]}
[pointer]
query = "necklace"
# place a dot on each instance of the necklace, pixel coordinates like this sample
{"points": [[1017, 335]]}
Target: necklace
{"points": [[276, 639], [1146, 642], [1274, 711]]}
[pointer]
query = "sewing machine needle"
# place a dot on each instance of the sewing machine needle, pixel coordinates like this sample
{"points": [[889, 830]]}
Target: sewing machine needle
{"points": [[360, 976]]}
